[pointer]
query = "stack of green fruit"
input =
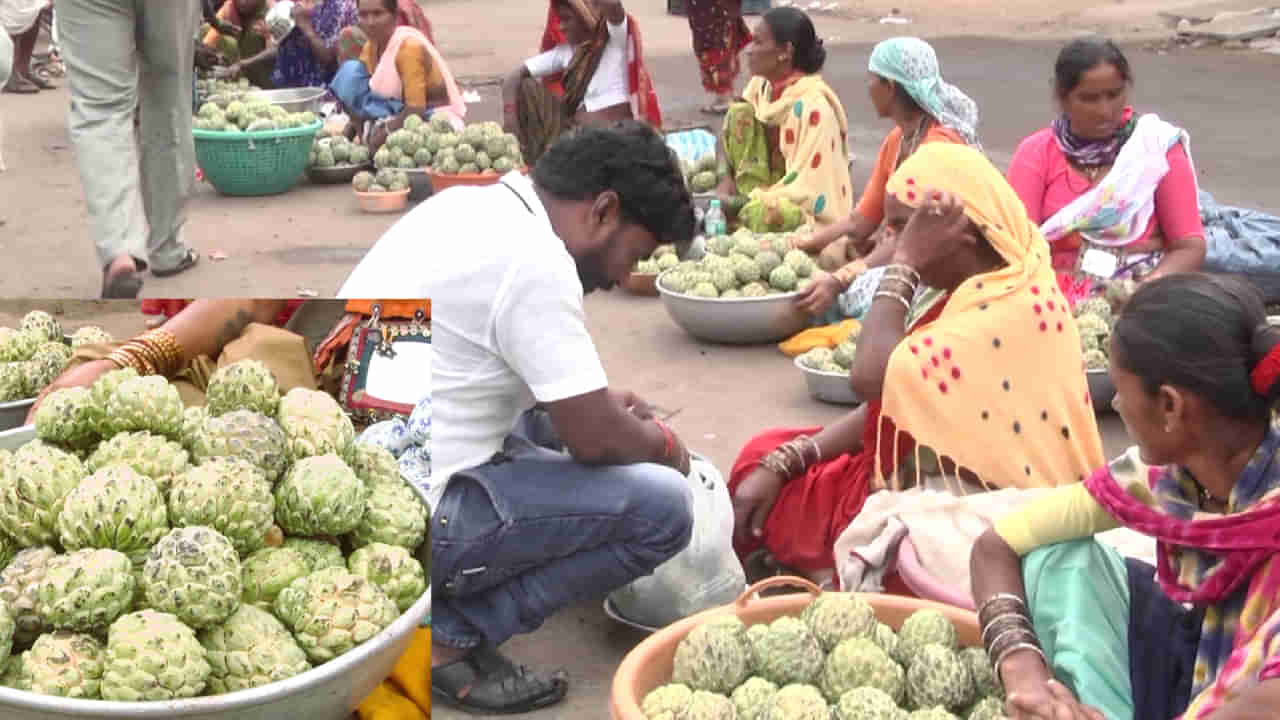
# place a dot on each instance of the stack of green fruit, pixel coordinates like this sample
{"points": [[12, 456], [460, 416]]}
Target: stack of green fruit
{"points": [[220, 92], [336, 151], [742, 265], [36, 353], [1094, 320], [663, 258], [385, 180], [832, 360], [227, 113], [479, 149], [151, 551], [701, 175], [834, 662]]}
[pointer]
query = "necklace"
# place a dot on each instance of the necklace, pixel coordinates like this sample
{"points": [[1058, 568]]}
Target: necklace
{"points": [[1093, 172], [1206, 498]]}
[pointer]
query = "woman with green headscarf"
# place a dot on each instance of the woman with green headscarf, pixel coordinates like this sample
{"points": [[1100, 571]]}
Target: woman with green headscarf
{"points": [[905, 85]]}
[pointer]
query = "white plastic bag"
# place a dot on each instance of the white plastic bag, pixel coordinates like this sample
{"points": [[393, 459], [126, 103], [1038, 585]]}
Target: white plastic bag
{"points": [[280, 19], [706, 574]]}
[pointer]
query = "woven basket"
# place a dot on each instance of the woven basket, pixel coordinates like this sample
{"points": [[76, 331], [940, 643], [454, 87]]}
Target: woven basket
{"points": [[247, 164]]}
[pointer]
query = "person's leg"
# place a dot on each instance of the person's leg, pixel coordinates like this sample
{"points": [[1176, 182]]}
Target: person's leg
{"points": [[166, 43], [28, 49], [100, 51], [1163, 640], [516, 541], [17, 81]]}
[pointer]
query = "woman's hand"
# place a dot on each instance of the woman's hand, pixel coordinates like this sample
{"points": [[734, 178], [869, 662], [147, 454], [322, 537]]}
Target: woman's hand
{"points": [[934, 233], [78, 376], [633, 404], [820, 295], [753, 501], [1050, 701]]}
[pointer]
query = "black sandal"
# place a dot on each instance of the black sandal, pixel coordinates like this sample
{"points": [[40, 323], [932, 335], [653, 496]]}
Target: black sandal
{"points": [[486, 682], [188, 261]]}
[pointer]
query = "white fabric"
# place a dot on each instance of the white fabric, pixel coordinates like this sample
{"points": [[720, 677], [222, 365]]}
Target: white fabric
{"points": [[1116, 212], [706, 574], [943, 527], [6, 57], [609, 86], [508, 323], [17, 16]]}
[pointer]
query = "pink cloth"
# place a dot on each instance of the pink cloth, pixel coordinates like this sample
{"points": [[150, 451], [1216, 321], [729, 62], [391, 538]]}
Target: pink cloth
{"points": [[386, 79], [1041, 176]]}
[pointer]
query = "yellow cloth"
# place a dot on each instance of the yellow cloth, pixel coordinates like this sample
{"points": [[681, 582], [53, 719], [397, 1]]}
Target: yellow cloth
{"points": [[418, 75], [406, 695], [996, 383], [1067, 513], [827, 336], [813, 134]]}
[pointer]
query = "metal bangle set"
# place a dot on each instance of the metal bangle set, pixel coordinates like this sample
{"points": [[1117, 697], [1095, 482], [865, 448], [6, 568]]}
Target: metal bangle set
{"points": [[1006, 629], [794, 457], [899, 283], [155, 352]]}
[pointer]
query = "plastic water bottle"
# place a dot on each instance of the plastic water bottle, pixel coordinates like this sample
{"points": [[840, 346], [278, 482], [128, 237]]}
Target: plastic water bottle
{"points": [[714, 223]]}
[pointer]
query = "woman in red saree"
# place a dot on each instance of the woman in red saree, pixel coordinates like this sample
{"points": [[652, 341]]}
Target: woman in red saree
{"points": [[990, 377], [719, 35]]}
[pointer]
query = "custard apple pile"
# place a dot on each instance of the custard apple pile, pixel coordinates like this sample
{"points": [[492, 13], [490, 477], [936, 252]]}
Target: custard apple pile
{"points": [[241, 109], [436, 145], [835, 661], [36, 353], [836, 360], [150, 551], [329, 150], [702, 174], [663, 258], [1094, 320], [741, 265]]}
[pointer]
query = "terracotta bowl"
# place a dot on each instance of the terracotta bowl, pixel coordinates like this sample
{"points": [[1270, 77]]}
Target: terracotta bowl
{"points": [[383, 202]]}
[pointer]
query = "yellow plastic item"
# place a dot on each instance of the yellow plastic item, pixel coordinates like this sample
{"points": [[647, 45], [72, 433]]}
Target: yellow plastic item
{"points": [[406, 695], [827, 336]]}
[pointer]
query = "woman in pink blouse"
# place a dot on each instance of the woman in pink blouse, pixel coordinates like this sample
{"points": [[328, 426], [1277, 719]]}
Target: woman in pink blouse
{"points": [[1114, 192]]}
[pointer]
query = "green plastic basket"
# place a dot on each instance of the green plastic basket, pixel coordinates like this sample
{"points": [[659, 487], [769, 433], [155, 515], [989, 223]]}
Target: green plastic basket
{"points": [[267, 162]]}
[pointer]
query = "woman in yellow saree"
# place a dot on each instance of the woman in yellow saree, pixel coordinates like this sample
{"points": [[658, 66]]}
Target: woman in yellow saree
{"points": [[784, 149]]}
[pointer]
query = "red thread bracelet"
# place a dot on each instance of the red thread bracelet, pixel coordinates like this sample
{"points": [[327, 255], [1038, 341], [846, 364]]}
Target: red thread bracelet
{"points": [[669, 440], [1264, 375]]}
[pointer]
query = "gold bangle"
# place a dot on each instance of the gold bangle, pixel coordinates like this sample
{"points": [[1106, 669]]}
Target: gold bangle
{"points": [[899, 267], [885, 293], [166, 347], [126, 357]]}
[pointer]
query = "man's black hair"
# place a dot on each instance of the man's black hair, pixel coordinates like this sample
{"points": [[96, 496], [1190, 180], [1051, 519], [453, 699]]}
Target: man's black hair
{"points": [[634, 161]]}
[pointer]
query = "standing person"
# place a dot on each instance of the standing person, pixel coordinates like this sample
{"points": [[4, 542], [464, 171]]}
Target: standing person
{"points": [[719, 35], [120, 55], [536, 509], [20, 20]]}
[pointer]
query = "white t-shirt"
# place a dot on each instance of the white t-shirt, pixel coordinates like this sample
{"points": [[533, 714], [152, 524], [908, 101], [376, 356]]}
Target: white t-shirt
{"points": [[609, 86], [508, 325]]}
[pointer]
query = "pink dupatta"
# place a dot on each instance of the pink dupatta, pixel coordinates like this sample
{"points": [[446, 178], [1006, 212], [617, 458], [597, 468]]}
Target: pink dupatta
{"points": [[386, 79]]}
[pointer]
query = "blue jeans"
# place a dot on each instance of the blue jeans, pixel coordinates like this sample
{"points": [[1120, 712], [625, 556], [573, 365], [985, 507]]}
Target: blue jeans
{"points": [[521, 537]]}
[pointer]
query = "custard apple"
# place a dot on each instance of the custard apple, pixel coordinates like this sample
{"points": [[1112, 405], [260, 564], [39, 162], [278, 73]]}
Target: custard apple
{"points": [[243, 385], [90, 335], [714, 656], [668, 701], [34, 486], [16, 382], [49, 361], [375, 464], [332, 611], [193, 573], [193, 418], [937, 677], [314, 424], [834, 617], [393, 514], [6, 634], [268, 571], [229, 495], [15, 675], [320, 496], [246, 435], [859, 662], [117, 509], [8, 546], [251, 649], [886, 638], [800, 262], [710, 706], [392, 569], [18, 345], [752, 697], [156, 457], [19, 586], [153, 656], [68, 417], [922, 628], [320, 554], [783, 278], [868, 703], [985, 683], [988, 708], [65, 664], [933, 713], [105, 386], [797, 702], [788, 653], [42, 325], [85, 590], [146, 403]]}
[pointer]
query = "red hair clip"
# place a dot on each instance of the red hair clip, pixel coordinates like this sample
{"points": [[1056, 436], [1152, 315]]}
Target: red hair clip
{"points": [[1266, 372]]}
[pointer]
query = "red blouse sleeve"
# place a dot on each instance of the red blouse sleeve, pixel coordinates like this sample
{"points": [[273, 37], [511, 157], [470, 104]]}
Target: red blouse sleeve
{"points": [[1177, 205], [1028, 175]]}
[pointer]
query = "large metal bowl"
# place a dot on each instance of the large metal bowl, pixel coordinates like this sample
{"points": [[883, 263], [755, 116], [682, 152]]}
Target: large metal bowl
{"points": [[737, 321], [294, 100], [1102, 389], [337, 174], [828, 386], [14, 414], [328, 692]]}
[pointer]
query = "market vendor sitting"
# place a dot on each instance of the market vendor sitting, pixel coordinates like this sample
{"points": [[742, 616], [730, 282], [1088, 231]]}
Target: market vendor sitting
{"points": [[784, 145], [1070, 623], [399, 73], [309, 54], [241, 32]]}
